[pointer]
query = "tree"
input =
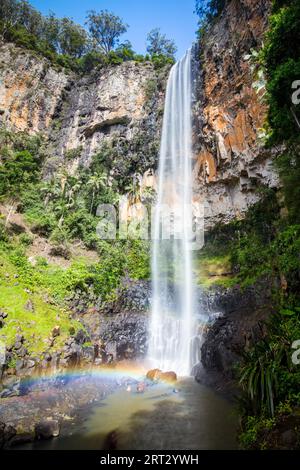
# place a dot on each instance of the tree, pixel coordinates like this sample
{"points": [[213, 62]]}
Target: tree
{"points": [[208, 9], [105, 29], [30, 18], [8, 15], [51, 31], [72, 38], [158, 44], [96, 182]]}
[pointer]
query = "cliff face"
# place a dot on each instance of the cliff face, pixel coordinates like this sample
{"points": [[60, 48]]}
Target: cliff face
{"points": [[230, 160], [119, 106], [30, 90]]}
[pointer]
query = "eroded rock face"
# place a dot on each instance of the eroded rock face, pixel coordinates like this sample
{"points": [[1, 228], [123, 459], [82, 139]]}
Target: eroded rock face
{"points": [[230, 160], [122, 106], [30, 90], [121, 328], [119, 105], [105, 102]]}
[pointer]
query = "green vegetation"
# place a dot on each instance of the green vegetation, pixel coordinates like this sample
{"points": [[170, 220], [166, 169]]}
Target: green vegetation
{"points": [[68, 44], [61, 209], [160, 49], [26, 301], [208, 10], [282, 66]]}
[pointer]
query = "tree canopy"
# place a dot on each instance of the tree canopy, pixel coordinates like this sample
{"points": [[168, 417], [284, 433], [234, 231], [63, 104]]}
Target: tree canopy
{"points": [[105, 29], [158, 44]]}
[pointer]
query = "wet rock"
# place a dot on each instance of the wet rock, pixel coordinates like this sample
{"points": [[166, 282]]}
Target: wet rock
{"points": [[289, 438], [240, 325], [47, 429], [153, 374], [156, 375], [168, 376], [22, 438], [141, 387], [7, 433]]}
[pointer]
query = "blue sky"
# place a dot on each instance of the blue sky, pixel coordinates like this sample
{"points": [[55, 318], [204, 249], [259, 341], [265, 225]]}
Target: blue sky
{"points": [[176, 18]]}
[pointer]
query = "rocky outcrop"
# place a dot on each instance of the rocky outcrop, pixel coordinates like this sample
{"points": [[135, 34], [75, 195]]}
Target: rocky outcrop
{"points": [[118, 107], [49, 404], [240, 322], [30, 90], [120, 328], [230, 159]]}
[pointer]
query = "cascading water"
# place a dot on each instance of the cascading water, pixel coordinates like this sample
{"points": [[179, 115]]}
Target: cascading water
{"points": [[171, 329]]}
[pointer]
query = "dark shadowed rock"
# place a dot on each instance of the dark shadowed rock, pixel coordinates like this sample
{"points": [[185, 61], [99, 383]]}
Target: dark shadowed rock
{"points": [[241, 324], [47, 429], [7, 433]]}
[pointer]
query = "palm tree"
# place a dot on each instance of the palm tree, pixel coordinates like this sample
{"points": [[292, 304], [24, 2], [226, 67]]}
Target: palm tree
{"points": [[96, 182], [134, 188]]}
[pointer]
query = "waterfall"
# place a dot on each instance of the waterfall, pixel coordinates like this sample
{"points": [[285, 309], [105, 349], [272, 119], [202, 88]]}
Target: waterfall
{"points": [[171, 328]]}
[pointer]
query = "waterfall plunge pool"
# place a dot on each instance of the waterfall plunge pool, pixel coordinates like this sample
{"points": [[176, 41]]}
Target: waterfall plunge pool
{"points": [[188, 417]]}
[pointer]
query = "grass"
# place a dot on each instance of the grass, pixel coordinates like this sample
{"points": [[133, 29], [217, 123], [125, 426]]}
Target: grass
{"points": [[36, 326]]}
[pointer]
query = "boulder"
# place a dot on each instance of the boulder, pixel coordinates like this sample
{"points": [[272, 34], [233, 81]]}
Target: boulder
{"points": [[7, 433], [153, 375], [168, 376], [47, 429], [22, 438], [156, 375]]}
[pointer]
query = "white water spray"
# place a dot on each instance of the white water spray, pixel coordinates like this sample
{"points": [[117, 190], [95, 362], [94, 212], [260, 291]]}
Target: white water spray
{"points": [[171, 329]]}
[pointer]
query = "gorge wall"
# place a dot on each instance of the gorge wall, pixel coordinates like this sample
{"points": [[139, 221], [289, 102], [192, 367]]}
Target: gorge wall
{"points": [[231, 161], [117, 106], [121, 107]]}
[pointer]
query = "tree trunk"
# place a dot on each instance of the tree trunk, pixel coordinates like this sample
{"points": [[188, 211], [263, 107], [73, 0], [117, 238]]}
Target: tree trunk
{"points": [[9, 214]]}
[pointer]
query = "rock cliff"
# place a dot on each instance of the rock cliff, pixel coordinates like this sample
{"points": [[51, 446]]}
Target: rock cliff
{"points": [[30, 90], [230, 159], [119, 107]]}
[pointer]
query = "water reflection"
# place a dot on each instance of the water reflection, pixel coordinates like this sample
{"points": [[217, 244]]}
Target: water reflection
{"points": [[194, 418]]}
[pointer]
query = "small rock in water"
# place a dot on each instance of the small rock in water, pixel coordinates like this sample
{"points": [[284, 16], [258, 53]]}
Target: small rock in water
{"points": [[141, 387]]}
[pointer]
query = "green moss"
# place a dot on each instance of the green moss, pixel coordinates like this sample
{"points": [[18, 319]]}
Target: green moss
{"points": [[214, 270]]}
